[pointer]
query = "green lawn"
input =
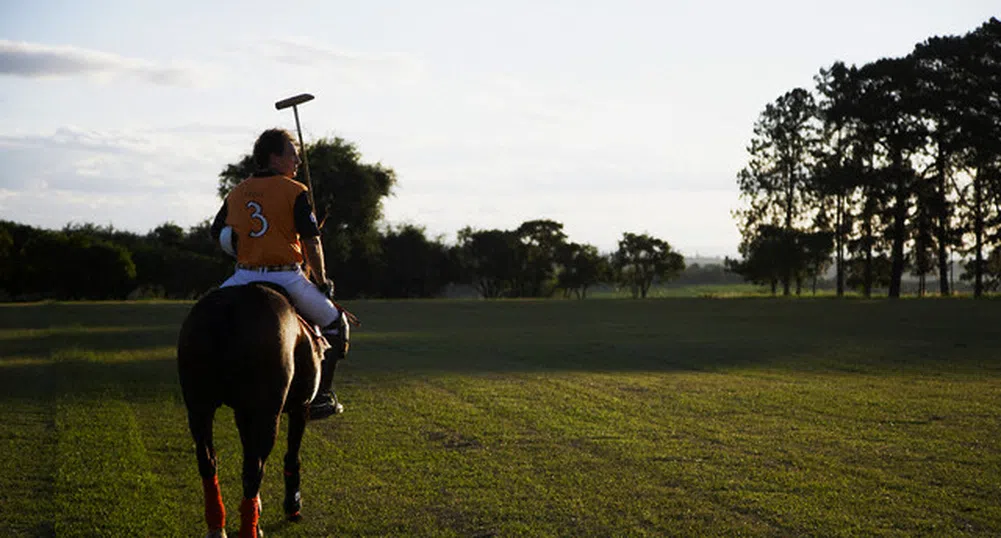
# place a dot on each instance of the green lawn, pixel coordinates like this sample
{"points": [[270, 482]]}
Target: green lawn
{"points": [[684, 416]]}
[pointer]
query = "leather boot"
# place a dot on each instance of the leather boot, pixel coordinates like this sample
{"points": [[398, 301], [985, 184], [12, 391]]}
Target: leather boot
{"points": [[325, 403]]}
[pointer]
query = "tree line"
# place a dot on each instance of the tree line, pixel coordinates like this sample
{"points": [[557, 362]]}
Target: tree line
{"points": [[364, 258], [94, 262], [885, 168]]}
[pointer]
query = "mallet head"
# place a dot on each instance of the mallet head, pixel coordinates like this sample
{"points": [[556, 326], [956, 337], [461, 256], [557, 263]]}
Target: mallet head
{"points": [[293, 101]]}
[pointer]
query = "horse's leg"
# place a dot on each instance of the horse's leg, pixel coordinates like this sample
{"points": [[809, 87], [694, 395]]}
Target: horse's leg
{"points": [[200, 423], [293, 497], [258, 430]]}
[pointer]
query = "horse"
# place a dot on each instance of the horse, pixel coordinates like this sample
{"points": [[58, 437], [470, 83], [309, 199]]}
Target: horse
{"points": [[245, 347]]}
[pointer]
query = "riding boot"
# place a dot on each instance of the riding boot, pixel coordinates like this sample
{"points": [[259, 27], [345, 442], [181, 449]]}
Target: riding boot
{"points": [[325, 403], [338, 335], [327, 368]]}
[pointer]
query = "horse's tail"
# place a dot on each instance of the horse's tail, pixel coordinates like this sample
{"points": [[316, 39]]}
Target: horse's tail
{"points": [[209, 322], [236, 337]]}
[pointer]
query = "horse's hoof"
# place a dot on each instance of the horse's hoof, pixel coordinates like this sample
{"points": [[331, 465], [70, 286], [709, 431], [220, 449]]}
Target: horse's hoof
{"points": [[294, 518], [221, 533], [292, 505]]}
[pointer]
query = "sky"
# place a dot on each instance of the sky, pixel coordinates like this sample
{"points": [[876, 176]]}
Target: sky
{"points": [[607, 116]]}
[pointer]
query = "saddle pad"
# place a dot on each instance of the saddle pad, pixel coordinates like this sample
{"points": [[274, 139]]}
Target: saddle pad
{"points": [[314, 332]]}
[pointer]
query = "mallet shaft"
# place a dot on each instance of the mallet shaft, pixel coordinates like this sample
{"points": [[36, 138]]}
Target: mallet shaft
{"points": [[305, 157]]}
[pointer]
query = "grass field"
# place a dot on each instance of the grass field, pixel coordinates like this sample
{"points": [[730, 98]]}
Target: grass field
{"points": [[671, 417]]}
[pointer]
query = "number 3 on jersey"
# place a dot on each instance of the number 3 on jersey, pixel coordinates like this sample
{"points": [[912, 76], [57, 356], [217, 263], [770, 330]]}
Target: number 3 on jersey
{"points": [[257, 215]]}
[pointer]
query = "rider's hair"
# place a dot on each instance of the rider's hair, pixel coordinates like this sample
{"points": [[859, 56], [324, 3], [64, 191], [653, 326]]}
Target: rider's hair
{"points": [[271, 142]]}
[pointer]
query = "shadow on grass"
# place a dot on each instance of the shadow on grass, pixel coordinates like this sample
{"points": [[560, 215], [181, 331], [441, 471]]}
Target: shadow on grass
{"points": [[100, 347], [91, 314], [678, 335], [95, 339], [432, 354], [136, 381], [88, 350]]}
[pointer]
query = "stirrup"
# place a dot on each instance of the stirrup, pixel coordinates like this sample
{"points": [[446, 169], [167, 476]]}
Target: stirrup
{"points": [[323, 406]]}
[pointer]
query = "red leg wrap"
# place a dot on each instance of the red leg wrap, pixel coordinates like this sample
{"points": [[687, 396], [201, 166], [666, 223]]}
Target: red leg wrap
{"points": [[215, 512], [250, 511]]}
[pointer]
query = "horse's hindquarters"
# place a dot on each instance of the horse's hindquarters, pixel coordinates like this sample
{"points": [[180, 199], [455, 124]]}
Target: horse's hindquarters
{"points": [[237, 347]]}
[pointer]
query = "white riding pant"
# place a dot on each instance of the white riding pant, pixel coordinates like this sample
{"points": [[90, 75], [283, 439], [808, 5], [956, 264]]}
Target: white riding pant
{"points": [[306, 297]]}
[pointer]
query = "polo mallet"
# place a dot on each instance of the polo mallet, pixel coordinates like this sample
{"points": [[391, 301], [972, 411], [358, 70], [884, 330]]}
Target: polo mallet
{"points": [[294, 102]]}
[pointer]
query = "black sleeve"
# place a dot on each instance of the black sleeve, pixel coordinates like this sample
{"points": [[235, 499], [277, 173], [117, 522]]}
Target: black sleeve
{"points": [[305, 222], [219, 223]]}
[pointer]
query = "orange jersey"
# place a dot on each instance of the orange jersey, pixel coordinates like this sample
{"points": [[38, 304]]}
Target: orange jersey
{"points": [[261, 212]]}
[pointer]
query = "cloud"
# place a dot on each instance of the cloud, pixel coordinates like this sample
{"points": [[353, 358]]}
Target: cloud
{"points": [[138, 212], [134, 179], [118, 162], [74, 138], [183, 142], [35, 60], [353, 66]]}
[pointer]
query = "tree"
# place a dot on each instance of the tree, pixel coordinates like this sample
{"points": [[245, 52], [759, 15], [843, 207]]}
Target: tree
{"points": [[990, 271], [766, 257], [110, 272], [348, 195], [816, 248], [939, 64], [7, 262], [863, 274], [46, 271], [167, 234], [921, 258], [776, 183], [15, 269], [199, 240], [75, 265], [540, 241], [980, 141], [641, 258], [581, 266], [840, 169], [412, 265], [488, 260], [889, 110], [867, 244]]}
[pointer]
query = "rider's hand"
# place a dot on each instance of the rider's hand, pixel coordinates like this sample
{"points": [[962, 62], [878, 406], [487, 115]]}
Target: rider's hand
{"points": [[327, 287]]}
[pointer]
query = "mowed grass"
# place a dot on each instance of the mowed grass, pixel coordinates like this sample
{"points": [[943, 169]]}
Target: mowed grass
{"points": [[670, 417]]}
